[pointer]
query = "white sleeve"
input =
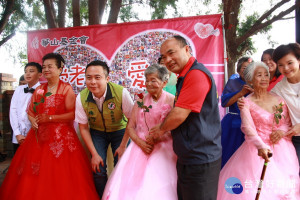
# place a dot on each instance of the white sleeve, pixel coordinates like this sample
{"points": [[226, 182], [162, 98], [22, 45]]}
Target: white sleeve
{"points": [[13, 113], [127, 103], [80, 115]]}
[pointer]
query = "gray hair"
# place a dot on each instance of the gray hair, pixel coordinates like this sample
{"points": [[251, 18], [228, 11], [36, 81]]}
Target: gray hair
{"points": [[249, 71], [162, 72]]}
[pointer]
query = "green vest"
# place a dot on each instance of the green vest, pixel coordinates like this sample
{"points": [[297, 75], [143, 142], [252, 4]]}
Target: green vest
{"points": [[111, 118]]}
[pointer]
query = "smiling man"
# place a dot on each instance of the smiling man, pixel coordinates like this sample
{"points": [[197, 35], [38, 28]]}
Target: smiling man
{"points": [[194, 123], [102, 111]]}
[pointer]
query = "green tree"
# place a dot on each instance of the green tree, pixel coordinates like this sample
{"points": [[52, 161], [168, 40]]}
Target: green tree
{"points": [[238, 33], [11, 18]]}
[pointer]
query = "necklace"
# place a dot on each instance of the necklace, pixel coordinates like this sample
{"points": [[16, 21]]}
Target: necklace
{"points": [[51, 88]]}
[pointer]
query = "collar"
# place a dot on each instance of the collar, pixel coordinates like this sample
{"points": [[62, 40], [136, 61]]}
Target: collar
{"points": [[187, 66], [107, 95], [35, 86]]}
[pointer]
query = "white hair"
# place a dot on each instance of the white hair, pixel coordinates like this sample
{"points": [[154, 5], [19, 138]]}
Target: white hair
{"points": [[249, 71]]}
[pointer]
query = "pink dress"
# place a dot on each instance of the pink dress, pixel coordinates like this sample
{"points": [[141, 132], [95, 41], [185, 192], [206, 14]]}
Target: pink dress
{"points": [[281, 179], [139, 176]]}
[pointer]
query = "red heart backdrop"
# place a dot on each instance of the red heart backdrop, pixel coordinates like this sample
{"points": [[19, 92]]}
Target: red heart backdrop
{"points": [[129, 48]]}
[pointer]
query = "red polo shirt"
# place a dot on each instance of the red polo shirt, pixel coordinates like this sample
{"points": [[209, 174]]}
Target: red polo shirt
{"points": [[195, 88]]}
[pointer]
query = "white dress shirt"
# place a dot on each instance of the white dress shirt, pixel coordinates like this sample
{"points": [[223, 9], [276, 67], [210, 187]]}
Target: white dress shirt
{"points": [[17, 114], [81, 117], [291, 94]]}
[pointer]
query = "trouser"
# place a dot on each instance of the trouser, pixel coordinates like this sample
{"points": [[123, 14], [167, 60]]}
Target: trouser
{"points": [[296, 142], [101, 142], [198, 182], [15, 147]]}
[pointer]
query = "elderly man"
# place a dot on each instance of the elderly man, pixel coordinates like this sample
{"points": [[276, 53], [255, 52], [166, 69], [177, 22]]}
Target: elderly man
{"points": [[194, 123], [101, 111]]}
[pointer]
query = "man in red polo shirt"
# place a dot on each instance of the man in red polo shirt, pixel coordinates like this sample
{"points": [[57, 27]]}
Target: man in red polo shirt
{"points": [[194, 123]]}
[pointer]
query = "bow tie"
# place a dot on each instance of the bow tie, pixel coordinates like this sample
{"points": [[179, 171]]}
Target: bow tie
{"points": [[26, 90]]}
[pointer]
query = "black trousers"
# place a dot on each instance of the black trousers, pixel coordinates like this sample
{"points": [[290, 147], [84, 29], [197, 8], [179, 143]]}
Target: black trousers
{"points": [[198, 182]]}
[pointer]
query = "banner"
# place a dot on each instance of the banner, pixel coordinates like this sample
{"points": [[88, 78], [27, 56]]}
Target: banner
{"points": [[129, 48]]}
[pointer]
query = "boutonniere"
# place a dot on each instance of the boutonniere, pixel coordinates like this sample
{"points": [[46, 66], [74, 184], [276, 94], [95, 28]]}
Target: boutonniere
{"points": [[143, 107]]}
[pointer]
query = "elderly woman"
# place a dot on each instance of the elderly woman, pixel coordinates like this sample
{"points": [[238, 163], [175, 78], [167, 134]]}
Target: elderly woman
{"points": [[146, 171], [264, 132], [232, 136]]}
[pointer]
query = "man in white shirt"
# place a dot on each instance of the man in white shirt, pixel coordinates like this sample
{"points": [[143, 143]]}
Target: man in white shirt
{"points": [[18, 116], [101, 112]]}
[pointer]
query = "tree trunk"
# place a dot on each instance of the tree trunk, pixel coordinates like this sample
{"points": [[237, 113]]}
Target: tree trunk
{"points": [[9, 9], [62, 4], [114, 11], [93, 12], [102, 5], [50, 13], [76, 12]]}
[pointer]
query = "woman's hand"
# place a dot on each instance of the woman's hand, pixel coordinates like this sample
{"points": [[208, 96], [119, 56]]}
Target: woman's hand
{"points": [[241, 103], [246, 89], [146, 148], [294, 131], [42, 118], [264, 153], [34, 124], [276, 136]]}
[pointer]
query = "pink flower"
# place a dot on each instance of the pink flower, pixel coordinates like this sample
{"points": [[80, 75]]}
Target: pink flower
{"points": [[40, 92], [250, 60]]}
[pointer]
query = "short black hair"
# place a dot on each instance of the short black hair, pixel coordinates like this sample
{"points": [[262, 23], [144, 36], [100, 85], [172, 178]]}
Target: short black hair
{"points": [[59, 59], [37, 65], [21, 78], [181, 40], [99, 63], [283, 50]]}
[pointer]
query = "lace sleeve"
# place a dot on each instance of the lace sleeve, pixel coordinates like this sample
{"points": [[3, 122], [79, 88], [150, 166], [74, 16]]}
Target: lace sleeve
{"points": [[249, 129]]}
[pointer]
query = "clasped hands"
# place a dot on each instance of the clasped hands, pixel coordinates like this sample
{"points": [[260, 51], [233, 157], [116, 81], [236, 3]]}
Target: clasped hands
{"points": [[39, 119], [153, 138]]}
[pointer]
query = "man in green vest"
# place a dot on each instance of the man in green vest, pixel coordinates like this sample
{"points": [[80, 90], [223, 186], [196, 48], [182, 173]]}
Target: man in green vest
{"points": [[102, 112]]}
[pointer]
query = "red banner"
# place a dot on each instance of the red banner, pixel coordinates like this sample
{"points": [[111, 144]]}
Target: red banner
{"points": [[129, 48]]}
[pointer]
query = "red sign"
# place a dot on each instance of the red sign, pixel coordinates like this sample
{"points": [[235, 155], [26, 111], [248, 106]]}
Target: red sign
{"points": [[129, 48]]}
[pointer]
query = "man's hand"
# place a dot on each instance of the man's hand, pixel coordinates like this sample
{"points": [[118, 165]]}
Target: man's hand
{"points": [[155, 133], [120, 151], [96, 161], [275, 136], [20, 139], [294, 131]]}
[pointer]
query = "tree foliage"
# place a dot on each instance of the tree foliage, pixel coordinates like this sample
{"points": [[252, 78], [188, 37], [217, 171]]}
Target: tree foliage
{"points": [[62, 13]]}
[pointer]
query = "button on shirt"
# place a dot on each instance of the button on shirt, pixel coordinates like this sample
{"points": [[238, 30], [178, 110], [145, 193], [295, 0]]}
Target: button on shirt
{"points": [[17, 115], [81, 117]]}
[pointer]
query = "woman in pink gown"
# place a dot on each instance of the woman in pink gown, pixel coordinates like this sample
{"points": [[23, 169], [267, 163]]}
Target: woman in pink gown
{"points": [[51, 164], [240, 176], [146, 171]]}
